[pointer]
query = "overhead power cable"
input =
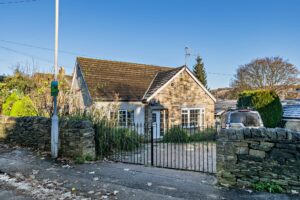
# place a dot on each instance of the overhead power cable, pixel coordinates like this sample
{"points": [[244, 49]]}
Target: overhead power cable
{"points": [[18, 2], [29, 55], [65, 52], [220, 74], [26, 54], [42, 48]]}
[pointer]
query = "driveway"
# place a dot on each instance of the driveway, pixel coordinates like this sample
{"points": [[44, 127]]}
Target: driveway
{"points": [[193, 156], [30, 174]]}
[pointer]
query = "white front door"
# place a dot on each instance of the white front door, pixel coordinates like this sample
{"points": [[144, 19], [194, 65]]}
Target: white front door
{"points": [[156, 124]]}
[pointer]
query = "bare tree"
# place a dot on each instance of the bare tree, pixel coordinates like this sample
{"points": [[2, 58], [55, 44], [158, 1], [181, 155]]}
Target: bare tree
{"points": [[267, 73]]}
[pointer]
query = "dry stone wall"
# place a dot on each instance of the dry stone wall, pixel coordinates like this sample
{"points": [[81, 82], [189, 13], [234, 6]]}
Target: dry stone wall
{"points": [[249, 156], [76, 137]]}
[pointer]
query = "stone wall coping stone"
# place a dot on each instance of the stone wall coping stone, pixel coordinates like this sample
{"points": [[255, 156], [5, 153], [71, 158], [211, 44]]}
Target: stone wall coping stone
{"points": [[266, 134]]}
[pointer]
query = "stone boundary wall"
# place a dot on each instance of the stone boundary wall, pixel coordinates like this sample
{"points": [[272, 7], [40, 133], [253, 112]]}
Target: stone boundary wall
{"points": [[249, 156], [76, 138]]}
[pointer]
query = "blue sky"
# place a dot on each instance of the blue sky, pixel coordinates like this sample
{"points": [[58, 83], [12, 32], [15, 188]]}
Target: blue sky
{"points": [[225, 33]]}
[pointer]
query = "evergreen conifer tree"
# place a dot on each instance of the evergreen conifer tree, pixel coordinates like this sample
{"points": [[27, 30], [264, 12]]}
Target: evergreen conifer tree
{"points": [[199, 71]]}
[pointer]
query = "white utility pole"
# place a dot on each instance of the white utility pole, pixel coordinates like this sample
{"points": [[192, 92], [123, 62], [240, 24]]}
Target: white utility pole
{"points": [[54, 127]]}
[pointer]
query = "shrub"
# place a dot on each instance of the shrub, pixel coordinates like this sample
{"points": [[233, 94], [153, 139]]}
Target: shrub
{"points": [[9, 102], [79, 159], [125, 139], [111, 138], [205, 135], [23, 107], [266, 102], [269, 187], [176, 135]]}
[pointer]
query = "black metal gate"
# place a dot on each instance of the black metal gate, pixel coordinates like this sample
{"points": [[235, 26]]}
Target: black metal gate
{"points": [[183, 148]]}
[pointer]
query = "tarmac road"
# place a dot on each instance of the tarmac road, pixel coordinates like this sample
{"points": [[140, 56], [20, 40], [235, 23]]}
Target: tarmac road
{"points": [[109, 180]]}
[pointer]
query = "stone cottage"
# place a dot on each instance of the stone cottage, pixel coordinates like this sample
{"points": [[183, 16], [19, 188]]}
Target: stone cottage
{"points": [[146, 94]]}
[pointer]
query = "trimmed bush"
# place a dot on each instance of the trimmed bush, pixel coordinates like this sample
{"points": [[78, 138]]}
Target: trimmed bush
{"points": [[205, 135], [176, 135], [23, 108], [266, 102]]}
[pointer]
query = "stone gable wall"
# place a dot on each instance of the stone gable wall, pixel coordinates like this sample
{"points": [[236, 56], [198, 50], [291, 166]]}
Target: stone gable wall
{"points": [[76, 138], [248, 156], [184, 92]]}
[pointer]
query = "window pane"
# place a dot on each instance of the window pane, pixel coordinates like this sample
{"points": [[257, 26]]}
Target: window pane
{"points": [[130, 117], [153, 118], [184, 118], [194, 118], [122, 118]]}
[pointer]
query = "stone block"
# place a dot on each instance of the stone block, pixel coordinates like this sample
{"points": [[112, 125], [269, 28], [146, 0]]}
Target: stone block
{"points": [[281, 133], [243, 183], [227, 182], [280, 182], [258, 133], [295, 136], [257, 153], [286, 146], [241, 144], [228, 175], [263, 146], [294, 183], [232, 134], [280, 156], [254, 145], [247, 133], [271, 134], [250, 158], [242, 150]]}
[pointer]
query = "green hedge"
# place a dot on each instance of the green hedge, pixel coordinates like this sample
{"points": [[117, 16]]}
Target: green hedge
{"points": [[205, 135], [266, 102], [18, 106], [181, 135], [176, 134]]}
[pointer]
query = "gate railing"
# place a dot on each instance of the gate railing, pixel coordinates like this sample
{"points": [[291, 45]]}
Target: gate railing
{"points": [[175, 147]]}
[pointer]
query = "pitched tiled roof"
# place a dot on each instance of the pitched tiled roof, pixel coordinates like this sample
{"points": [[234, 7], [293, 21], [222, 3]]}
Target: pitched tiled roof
{"points": [[129, 80], [160, 79]]}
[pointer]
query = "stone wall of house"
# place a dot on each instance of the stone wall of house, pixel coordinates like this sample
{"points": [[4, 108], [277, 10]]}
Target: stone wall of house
{"points": [[249, 156], [184, 92], [80, 95], [76, 138]]}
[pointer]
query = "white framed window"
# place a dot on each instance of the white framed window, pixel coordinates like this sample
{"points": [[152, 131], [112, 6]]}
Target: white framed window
{"points": [[124, 118], [193, 117]]}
